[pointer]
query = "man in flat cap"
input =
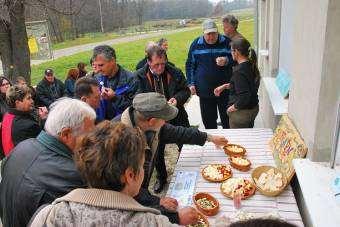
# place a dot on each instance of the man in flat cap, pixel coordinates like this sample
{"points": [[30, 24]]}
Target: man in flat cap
{"points": [[149, 112], [209, 65]]}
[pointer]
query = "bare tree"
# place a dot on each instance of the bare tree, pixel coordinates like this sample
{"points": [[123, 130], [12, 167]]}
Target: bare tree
{"points": [[139, 6], [14, 50]]}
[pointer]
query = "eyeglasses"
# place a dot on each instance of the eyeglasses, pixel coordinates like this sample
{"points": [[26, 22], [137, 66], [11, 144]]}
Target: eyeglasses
{"points": [[5, 84], [159, 64]]}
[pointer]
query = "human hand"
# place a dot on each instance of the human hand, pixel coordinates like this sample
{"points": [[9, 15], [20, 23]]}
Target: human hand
{"points": [[169, 203], [218, 90], [42, 112], [107, 93], [221, 61], [192, 90], [219, 141], [231, 109], [187, 216], [173, 101]]}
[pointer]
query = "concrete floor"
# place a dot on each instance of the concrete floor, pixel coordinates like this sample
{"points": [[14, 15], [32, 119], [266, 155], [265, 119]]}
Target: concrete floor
{"points": [[193, 110]]}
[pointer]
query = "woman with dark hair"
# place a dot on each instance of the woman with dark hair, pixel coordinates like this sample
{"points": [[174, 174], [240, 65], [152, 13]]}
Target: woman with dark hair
{"points": [[81, 68], [244, 84], [110, 160], [163, 43], [20, 122], [70, 81], [5, 84]]}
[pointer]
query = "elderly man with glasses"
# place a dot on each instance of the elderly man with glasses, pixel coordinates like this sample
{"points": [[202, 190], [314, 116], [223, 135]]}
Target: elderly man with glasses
{"points": [[159, 76]]}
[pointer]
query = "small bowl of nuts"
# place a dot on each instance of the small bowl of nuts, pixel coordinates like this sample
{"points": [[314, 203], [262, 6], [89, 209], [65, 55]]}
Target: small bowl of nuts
{"points": [[201, 222], [206, 203]]}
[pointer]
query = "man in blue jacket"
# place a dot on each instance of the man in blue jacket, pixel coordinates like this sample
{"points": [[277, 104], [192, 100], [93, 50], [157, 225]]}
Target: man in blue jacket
{"points": [[209, 65], [114, 81]]}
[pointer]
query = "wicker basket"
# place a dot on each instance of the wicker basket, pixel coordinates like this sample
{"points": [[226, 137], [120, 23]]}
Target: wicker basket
{"points": [[205, 211], [257, 173], [243, 168], [213, 180], [232, 153]]}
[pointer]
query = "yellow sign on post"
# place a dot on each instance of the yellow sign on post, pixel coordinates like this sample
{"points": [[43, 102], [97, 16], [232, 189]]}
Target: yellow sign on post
{"points": [[33, 45]]}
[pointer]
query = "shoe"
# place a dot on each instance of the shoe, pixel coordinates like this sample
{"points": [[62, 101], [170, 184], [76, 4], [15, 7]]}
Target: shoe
{"points": [[159, 186]]}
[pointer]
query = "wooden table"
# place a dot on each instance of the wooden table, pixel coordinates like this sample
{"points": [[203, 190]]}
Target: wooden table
{"points": [[194, 158]]}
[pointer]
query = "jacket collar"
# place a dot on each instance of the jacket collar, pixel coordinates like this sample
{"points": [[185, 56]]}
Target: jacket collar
{"points": [[220, 39], [105, 198], [54, 144], [18, 112]]}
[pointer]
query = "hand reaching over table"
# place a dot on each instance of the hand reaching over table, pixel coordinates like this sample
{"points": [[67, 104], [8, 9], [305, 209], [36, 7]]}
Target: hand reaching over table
{"points": [[187, 216], [169, 203], [219, 141]]}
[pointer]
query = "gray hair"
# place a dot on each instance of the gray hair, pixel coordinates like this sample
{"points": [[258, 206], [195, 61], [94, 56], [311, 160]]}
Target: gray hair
{"points": [[230, 19], [149, 45], [108, 52], [67, 113]]}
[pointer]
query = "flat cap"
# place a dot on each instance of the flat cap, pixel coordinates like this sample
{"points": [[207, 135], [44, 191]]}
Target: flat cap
{"points": [[154, 105]]}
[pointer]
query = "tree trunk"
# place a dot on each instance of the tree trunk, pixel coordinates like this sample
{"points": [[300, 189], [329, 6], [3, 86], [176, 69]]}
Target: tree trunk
{"points": [[5, 48], [21, 54], [15, 55]]}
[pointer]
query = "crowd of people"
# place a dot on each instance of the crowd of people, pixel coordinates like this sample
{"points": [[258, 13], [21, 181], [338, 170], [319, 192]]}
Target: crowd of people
{"points": [[81, 153]]}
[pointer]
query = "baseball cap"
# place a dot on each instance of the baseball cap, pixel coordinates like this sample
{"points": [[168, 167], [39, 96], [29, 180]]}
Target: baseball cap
{"points": [[209, 26], [154, 105], [48, 71]]}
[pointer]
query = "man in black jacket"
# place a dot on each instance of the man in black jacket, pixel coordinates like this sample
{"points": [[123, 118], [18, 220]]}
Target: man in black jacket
{"points": [[42, 169], [149, 112], [159, 76], [49, 89]]}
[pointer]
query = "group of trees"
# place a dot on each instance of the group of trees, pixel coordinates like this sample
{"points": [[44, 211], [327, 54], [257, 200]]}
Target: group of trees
{"points": [[68, 19]]}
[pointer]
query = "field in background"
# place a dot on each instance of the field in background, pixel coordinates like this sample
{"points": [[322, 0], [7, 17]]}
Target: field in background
{"points": [[149, 26], [128, 54]]}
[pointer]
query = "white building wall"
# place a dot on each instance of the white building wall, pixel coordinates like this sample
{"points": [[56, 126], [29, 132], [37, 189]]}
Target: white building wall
{"points": [[309, 50]]}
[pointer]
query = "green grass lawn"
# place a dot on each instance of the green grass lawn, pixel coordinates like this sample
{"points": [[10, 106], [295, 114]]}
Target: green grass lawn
{"points": [[98, 36], [128, 54]]}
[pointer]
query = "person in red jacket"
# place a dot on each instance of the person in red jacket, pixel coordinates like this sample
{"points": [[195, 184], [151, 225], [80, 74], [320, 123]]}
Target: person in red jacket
{"points": [[21, 121]]}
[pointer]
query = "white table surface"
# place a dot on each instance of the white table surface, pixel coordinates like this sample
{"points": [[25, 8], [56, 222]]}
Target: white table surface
{"points": [[194, 158]]}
